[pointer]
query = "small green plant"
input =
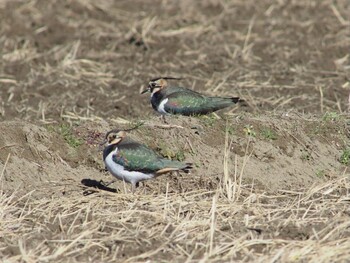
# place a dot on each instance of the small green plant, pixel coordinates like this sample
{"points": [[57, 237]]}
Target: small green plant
{"points": [[320, 173], [230, 130], [305, 156], [331, 116], [249, 130], [269, 134], [66, 132], [180, 156], [170, 154], [209, 120], [167, 153], [316, 130], [345, 157]]}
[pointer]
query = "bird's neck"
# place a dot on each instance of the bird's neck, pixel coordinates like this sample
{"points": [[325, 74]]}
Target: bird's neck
{"points": [[157, 97], [108, 150]]}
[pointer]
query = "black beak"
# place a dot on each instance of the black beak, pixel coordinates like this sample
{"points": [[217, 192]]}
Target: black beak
{"points": [[145, 90]]}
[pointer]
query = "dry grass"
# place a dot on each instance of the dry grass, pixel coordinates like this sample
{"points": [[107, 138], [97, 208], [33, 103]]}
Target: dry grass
{"points": [[309, 225]]}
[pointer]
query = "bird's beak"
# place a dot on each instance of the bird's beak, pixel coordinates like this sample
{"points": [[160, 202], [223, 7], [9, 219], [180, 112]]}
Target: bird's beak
{"points": [[146, 90]]}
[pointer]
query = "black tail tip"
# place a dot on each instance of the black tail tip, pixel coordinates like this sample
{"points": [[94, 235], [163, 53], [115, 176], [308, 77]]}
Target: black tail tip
{"points": [[188, 168], [241, 102], [237, 100]]}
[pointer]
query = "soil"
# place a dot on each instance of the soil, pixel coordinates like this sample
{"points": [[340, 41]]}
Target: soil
{"points": [[72, 70]]}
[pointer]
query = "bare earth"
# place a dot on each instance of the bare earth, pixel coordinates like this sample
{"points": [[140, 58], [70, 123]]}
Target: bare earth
{"points": [[270, 181]]}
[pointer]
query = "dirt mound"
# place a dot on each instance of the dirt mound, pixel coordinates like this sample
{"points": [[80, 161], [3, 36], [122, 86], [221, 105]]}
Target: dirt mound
{"points": [[276, 152]]}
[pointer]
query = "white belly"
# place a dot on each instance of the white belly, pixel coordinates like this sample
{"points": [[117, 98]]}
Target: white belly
{"points": [[162, 105], [119, 172]]}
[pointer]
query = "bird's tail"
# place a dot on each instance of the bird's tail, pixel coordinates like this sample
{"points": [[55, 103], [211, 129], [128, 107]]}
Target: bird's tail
{"points": [[175, 166], [220, 102], [236, 100], [187, 168]]}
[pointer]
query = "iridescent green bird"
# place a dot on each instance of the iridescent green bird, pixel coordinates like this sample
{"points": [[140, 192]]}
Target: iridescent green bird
{"points": [[133, 162], [168, 99]]}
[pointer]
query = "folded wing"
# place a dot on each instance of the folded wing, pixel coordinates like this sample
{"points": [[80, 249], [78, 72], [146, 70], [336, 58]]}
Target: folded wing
{"points": [[137, 157]]}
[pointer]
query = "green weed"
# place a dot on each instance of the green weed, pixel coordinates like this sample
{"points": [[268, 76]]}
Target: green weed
{"points": [[268, 134], [249, 130], [209, 120], [170, 154], [331, 116], [305, 156], [66, 132], [230, 130], [345, 157], [320, 173]]}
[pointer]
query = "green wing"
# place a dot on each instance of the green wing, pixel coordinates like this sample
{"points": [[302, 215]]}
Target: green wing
{"points": [[137, 157], [188, 102]]}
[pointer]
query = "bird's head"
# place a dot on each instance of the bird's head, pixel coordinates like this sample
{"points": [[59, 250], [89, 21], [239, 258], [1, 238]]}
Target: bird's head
{"points": [[157, 84], [114, 136]]}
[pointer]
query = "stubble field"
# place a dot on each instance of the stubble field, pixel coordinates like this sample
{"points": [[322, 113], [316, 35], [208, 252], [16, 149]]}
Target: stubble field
{"points": [[270, 181]]}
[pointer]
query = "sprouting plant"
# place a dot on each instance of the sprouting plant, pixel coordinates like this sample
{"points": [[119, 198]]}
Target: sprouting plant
{"points": [[305, 156], [249, 130], [320, 173], [180, 156], [209, 120], [269, 134], [230, 130], [345, 157], [165, 151], [66, 132], [331, 116]]}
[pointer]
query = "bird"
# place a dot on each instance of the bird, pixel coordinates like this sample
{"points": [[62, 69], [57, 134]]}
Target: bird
{"points": [[132, 162], [169, 100]]}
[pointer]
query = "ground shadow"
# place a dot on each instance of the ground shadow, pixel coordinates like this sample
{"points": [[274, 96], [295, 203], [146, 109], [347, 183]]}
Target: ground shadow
{"points": [[97, 185]]}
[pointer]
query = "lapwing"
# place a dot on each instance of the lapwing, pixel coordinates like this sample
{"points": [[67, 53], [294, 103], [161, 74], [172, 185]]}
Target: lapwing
{"points": [[132, 162], [167, 99]]}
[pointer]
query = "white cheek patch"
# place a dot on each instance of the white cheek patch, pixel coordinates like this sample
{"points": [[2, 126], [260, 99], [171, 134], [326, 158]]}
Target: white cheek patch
{"points": [[162, 105], [155, 91]]}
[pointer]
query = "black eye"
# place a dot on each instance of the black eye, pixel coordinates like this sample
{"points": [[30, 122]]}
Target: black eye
{"points": [[112, 137]]}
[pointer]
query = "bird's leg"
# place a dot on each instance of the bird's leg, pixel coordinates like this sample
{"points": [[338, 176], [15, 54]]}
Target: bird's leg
{"points": [[134, 186], [163, 119], [107, 184]]}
